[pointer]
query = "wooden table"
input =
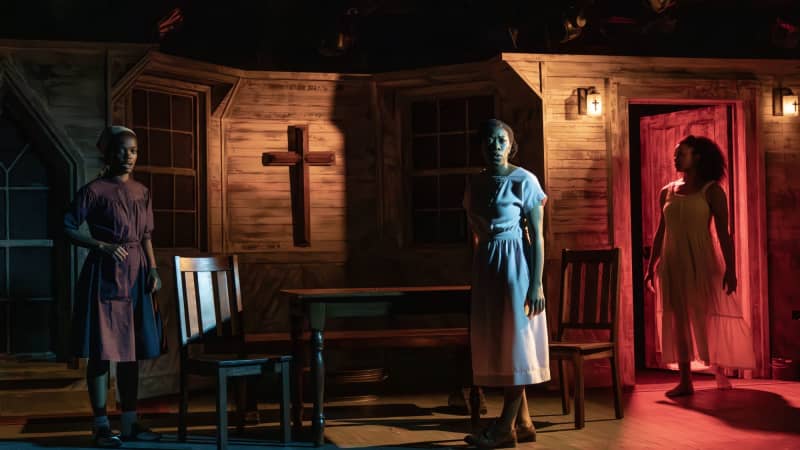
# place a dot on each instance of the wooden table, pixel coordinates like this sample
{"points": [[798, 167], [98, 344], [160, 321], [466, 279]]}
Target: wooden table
{"points": [[308, 308]]}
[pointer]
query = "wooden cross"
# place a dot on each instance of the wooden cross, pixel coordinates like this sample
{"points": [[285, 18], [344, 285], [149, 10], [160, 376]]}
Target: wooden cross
{"points": [[298, 158]]}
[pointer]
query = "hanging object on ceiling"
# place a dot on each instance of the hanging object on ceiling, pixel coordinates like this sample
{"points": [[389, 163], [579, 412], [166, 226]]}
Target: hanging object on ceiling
{"points": [[659, 6], [785, 34], [513, 34], [344, 36], [574, 19], [573, 28], [170, 23]]}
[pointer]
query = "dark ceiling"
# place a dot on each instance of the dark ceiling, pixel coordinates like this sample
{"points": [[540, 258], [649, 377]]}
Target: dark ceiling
{"points": [[380, 35]]}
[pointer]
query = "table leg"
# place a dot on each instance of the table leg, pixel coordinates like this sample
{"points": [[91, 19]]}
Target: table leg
{"points": [[298, 363], [317, 325], [318, 378]]}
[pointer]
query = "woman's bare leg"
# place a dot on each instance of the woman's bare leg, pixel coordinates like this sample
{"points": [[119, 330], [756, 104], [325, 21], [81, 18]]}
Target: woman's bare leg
{"points": [[501, 433], [683, 347], [722, 380], [524, 415], [511, 403], [684, 387]]}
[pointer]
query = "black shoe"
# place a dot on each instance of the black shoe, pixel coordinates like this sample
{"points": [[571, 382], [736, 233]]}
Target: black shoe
{"points": [[140, 432], [105, 438], [490, 439]]}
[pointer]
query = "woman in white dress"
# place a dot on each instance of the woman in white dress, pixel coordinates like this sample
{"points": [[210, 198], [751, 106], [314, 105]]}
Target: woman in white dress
{"points": [[701, 318], [508, 327]]}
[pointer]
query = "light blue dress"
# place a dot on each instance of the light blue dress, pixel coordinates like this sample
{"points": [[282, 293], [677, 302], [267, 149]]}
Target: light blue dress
{"points": [[508, 347]]}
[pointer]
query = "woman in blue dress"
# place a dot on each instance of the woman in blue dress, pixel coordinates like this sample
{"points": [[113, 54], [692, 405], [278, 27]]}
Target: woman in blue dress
{"points": [[115, 317], [508, 328]]}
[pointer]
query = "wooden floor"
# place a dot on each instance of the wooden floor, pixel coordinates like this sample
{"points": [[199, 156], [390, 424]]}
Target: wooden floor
{"points": [[756, 414]]}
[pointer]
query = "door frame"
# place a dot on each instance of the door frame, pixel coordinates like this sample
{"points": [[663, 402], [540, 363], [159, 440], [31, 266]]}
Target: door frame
{"points": [[749, 171]]}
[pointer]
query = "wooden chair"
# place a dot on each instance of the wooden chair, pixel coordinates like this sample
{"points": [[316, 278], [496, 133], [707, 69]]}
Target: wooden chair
{"points": [[589, 299], [210, 309]]}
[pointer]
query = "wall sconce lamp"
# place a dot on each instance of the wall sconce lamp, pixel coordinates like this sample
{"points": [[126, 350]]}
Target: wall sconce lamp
{"points": [[589, 102], [784, 102]]}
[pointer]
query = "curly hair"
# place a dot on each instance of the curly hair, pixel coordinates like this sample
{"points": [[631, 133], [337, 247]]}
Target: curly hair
{"points": [[711, 163], [490, 126]]}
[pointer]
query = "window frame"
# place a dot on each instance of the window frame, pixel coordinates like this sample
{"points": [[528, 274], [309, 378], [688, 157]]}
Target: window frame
{"points": [[201, 95], [438, 93]]}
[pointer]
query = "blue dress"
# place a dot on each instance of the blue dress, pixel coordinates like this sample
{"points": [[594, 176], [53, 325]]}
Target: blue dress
{"points": [[508, 347], [114, 317]]}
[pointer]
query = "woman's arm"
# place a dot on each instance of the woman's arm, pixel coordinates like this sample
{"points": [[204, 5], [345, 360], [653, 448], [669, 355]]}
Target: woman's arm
{"points": [[153, 280], [535, 217], [718, 202], [658, 242], [147, 244], [84, 240], [77, 213]]}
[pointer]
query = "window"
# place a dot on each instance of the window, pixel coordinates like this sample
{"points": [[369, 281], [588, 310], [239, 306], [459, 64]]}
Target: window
{"points": [[27, 294], [445, 149], [166, 124]]}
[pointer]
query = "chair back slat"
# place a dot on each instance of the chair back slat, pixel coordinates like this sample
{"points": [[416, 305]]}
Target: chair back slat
{"points": [[574, 290], [207, 304], [591, 303], [606, 303], [208, 297], [589, 290], [180, 300], [224, 311], [192, 307], [237, 291], [613, 281]]}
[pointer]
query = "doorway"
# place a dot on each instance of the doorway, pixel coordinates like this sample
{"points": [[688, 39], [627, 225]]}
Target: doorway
{"points": [[655, 130]]}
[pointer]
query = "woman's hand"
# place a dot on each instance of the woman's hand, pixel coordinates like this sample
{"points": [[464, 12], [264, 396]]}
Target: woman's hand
{"points": [[118, 252], [729, 281], [648, 281], [153, 281], [534, 301]]}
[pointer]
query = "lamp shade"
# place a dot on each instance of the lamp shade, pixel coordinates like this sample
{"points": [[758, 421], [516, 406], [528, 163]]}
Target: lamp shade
{"points": [[790, 105], [594, 104]]}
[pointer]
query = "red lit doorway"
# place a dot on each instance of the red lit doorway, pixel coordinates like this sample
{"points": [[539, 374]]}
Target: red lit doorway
{"points": [[656, 127]]}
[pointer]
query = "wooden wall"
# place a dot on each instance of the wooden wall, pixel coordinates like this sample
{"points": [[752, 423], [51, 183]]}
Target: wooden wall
{"points": [[249, 205], [586, 161], [257, 204], [357, 211], [781, 141], [68, 82], [357, 206]]}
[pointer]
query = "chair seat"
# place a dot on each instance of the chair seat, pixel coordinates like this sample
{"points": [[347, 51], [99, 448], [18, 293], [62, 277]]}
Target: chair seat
{"points": [[581, 346], [206, 363], [227, 360]]}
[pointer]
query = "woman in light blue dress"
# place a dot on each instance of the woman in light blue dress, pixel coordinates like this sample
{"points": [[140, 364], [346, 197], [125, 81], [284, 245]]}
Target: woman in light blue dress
{"points": [[508, 330]]}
